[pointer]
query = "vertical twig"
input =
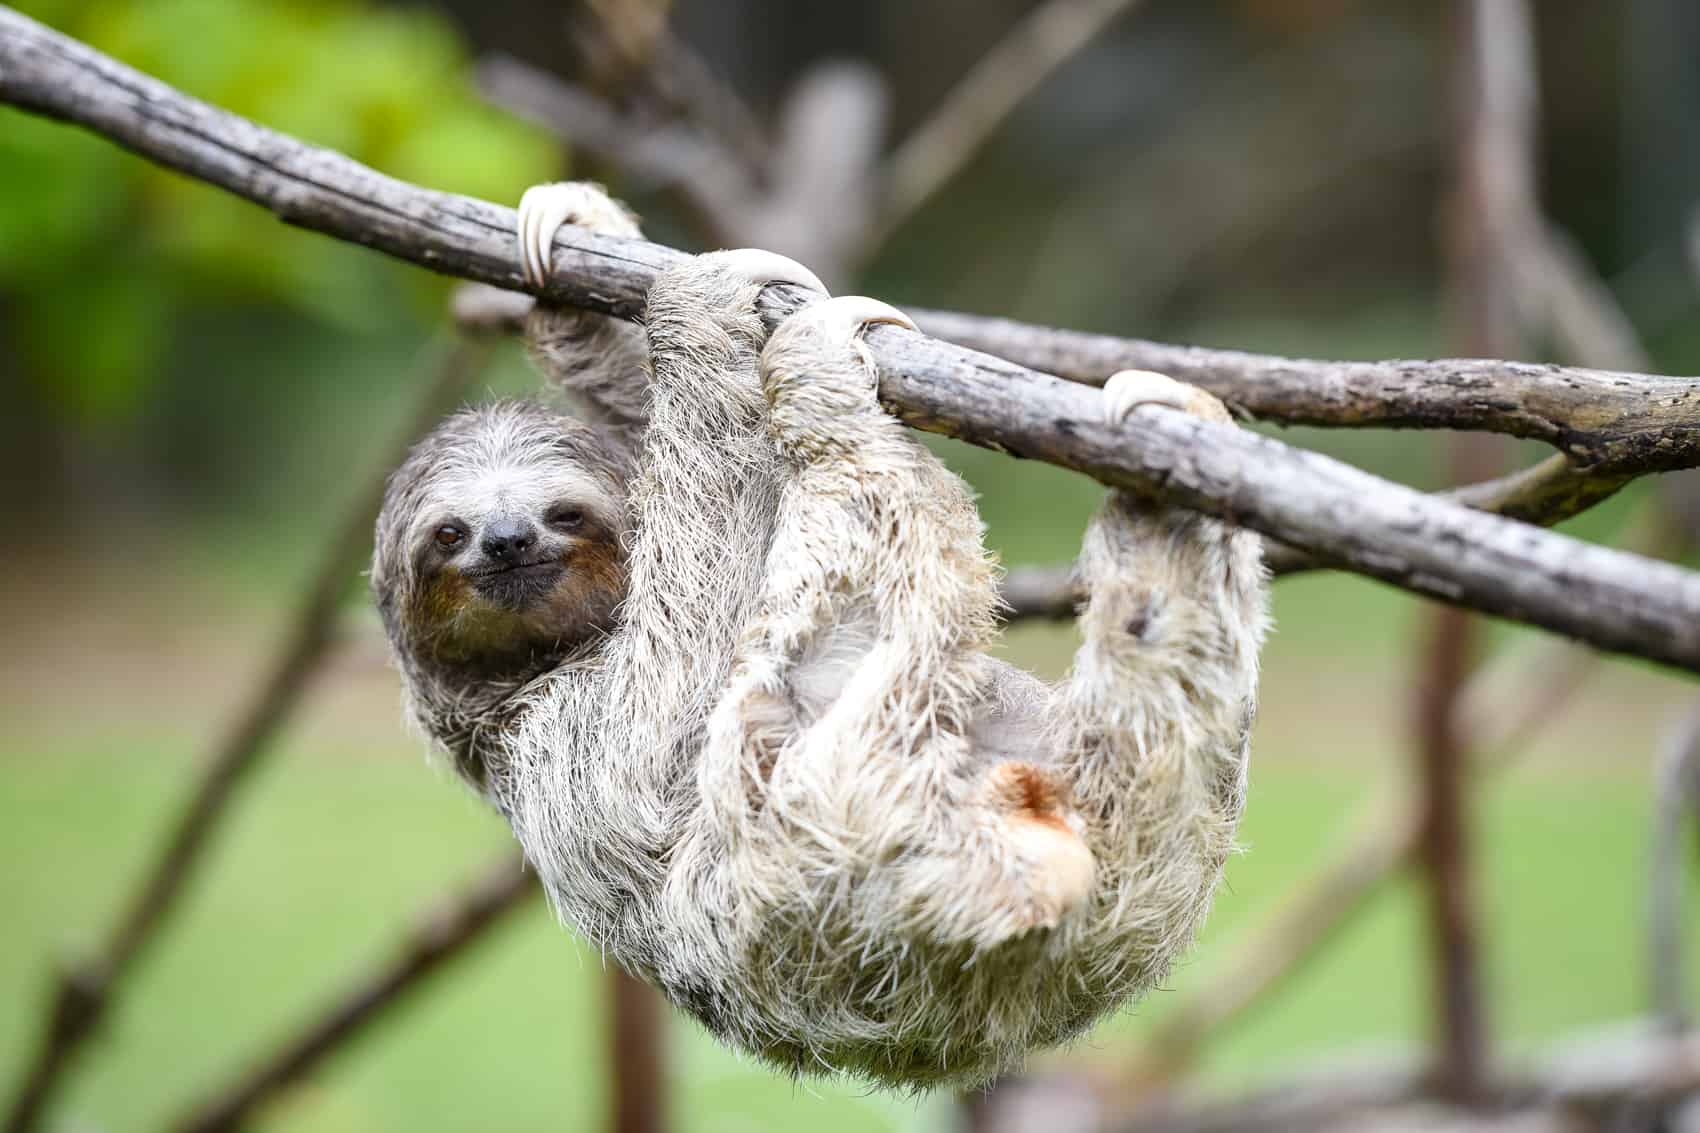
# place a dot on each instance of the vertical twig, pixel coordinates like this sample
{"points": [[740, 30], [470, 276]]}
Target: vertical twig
{"points": [[1443, 851], [971, 111], [637, 1035], [444, 933], [85, 991], [1490, 207]]}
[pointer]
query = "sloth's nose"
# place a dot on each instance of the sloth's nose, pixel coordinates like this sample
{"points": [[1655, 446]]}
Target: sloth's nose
{"points": [[507, 539]]}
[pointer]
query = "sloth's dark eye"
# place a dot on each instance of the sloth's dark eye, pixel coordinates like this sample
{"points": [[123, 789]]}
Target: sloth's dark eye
{"points": [[448, 535], [566, 519]]}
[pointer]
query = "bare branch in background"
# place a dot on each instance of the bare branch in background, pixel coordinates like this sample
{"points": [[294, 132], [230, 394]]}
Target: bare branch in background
{"points": [[971, 112], [1493, 183], [818, 192], [672, 157], [86, 990], [1579, 1084], [443, 933], [702, 96], [1654, 421], [824, 194], [637, 1037], [814, 198]]}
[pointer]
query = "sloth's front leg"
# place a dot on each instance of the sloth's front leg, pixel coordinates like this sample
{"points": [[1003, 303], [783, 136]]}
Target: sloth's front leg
{"points": [[849, 730], [608, 757], [703, 499], [598, 361]]}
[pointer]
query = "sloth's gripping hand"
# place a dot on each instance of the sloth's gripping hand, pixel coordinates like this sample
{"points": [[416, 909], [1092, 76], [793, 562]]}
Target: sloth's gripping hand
{"points": [[597, 361]]}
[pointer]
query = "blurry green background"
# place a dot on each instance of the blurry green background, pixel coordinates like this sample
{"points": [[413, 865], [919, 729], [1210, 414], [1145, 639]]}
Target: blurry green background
{"points": [[193, 390]]}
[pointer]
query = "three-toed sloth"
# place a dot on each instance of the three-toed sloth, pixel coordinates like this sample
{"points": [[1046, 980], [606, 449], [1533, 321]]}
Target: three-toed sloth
{"points": [[719, 655]]}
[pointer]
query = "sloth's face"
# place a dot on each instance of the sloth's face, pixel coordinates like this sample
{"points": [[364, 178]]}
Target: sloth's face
{"points": [[515, 544]]}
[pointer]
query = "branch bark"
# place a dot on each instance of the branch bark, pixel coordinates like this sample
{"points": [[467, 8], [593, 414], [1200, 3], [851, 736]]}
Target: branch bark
{"points": [[1348, 518], [1543, 494]]}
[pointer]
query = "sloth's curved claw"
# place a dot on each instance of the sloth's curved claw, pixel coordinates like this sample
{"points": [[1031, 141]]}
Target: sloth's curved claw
{"points": [[1127, 390], [544, 208], [759, 266], [835, 326], [842, 319]]}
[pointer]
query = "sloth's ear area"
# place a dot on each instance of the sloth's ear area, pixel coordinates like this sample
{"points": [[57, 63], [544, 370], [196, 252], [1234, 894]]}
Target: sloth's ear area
{"points": [[761, 267]]}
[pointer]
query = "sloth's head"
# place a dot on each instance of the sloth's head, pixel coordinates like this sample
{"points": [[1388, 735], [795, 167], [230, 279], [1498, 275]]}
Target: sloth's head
{"points": [[498, 549]]}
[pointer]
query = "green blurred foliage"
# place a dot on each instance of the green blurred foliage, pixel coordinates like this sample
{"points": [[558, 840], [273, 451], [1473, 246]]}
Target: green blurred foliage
{"points": [[103, 254]]}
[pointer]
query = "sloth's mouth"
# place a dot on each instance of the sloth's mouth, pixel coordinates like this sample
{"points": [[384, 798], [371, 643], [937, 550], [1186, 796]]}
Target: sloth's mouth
{"points": [[539, 566], [518, 584]]}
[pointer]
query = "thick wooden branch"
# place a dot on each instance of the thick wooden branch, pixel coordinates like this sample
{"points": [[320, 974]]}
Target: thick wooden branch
{"points": [[1543, 494], [1345, 516], [1348, 518]]}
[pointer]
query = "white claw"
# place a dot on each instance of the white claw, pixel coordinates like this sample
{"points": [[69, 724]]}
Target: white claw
{"points": [[763, 267], [544, 208], [842, 319], [838, 324], [1127, 390]]}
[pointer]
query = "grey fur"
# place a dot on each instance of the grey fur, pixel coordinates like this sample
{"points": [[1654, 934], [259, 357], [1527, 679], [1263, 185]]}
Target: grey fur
{"points": [[789, 787]]}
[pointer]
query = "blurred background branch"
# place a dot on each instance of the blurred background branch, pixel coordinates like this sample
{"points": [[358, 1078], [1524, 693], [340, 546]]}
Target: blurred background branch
{"points": [[443, 933]]}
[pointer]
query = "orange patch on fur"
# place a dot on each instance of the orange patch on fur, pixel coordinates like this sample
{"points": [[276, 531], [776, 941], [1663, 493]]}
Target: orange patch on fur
{"points": [[1035, 804], [1030, 794]]}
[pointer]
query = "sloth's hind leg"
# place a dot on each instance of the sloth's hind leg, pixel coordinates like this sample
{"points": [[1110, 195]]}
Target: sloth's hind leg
{"points": [[1158, 706]]}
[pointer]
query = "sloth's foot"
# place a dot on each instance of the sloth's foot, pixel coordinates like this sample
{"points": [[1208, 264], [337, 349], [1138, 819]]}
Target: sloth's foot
{"points": [[1127, 390], [544, 208]]}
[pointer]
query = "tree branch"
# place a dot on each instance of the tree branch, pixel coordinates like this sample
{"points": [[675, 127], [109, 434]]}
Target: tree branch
{"points": [[1543, 494], [1605, 420], [1577, 1084], [1348, 518]]}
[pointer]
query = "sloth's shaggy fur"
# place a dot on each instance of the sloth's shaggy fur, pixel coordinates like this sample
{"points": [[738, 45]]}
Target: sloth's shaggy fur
{"points": [[789, 787]]}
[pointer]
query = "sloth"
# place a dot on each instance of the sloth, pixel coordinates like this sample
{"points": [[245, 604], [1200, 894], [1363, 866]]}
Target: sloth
{"points": [[720, 657]]}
